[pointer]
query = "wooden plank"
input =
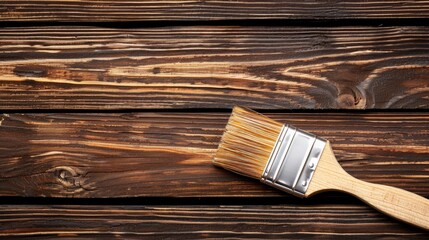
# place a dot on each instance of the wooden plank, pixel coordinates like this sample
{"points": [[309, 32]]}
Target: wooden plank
{"points": [[292, 221], [84, 155], [107, 10], [214, 67]]}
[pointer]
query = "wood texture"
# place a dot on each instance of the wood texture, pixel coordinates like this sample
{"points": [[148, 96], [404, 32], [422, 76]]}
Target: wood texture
{"points": [[107, 10], [326, 221], [127, 155], [164, 158], [214, 67], [395, 202]]}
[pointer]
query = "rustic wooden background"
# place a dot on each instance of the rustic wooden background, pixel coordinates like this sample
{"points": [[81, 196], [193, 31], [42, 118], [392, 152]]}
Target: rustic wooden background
{"points": [[112, 111]]}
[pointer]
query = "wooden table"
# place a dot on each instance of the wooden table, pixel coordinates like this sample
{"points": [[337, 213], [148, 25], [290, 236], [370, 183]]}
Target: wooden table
{"points": [[112, 111]]}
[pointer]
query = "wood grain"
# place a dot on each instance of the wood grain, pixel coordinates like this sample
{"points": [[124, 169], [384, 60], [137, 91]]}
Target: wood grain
{"points": [[169, 154], [107, 10], [316, 221], [214, 67], [400, 204]]}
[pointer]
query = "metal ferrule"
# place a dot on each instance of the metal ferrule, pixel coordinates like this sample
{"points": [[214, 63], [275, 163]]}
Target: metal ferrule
{"points": [[293, 160]]}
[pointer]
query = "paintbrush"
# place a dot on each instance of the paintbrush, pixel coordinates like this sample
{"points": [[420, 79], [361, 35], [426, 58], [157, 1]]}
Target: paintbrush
{"points": [[304, 164]]}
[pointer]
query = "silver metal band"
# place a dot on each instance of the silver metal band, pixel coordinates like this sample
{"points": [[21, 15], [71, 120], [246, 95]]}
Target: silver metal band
{"points": [[293, 160]]}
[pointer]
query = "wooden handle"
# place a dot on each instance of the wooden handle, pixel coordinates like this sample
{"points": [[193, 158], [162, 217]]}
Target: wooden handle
{"points": [[395, 202]]}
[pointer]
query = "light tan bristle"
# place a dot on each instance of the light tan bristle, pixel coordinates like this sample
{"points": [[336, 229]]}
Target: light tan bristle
{"points": [[247, 142]]}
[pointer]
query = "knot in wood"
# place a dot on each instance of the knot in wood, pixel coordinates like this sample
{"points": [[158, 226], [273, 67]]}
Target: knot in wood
{"points": [[351, 98], [156, 70], [69, 177]]}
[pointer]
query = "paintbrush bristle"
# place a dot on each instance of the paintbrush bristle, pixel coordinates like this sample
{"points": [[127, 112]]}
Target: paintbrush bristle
{"points": [[247, 142]]}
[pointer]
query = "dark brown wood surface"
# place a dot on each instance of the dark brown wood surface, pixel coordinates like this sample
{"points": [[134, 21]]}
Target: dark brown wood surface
{"points": [[150, 84], [127, 155], [214, 67], [108, 10], [291, 221]]}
